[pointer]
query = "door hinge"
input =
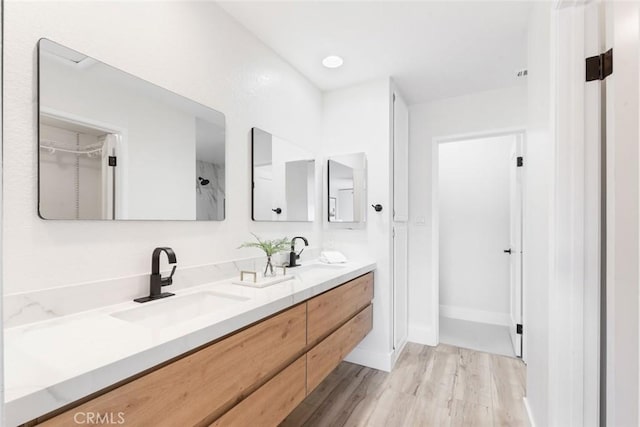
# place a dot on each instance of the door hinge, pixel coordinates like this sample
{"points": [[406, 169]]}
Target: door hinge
{"points": [[113, 161], [600, 66], [520, 161], [519, 328]]}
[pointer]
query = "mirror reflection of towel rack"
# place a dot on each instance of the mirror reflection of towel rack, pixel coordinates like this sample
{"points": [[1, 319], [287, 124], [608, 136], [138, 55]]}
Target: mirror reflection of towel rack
{"points": [[115, 144], [52, 149]]}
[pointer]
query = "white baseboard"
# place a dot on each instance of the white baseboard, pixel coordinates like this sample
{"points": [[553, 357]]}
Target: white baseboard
{"points": [[421, 334], [371, 359], [473, 315], [528, 410], [396, 353]]}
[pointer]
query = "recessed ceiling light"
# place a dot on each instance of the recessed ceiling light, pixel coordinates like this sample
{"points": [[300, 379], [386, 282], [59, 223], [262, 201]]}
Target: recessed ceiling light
{"points": [[332, 61]]}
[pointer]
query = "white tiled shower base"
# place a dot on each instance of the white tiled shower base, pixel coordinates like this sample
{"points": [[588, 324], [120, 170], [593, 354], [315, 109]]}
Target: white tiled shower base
{"points": [[476, 336]]}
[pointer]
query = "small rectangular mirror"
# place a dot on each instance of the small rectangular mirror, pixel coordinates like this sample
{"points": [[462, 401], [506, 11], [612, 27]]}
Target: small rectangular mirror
{"points": [[115, 147], [347, 188], [283, 179]]}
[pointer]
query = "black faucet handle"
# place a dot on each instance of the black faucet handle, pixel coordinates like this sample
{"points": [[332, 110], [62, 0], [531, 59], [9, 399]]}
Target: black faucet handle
{"points": [[299, 253], [169, 280]]}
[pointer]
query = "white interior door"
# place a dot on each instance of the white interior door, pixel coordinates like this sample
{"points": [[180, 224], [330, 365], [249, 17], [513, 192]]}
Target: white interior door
{"points": [[515, 246], [400, 279], [400, 218], [622, 234], [400, 160]]}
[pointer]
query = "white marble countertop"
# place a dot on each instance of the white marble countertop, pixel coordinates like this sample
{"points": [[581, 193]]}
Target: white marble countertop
{"points": [[52, 363]]}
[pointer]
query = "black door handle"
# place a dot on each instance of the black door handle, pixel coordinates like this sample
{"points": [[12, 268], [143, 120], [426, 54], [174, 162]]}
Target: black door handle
{"points": [[507, 251]]}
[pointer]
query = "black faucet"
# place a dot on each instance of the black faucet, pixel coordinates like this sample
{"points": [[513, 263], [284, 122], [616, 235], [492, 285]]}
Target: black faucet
{"points": [[293, 256], [157, 281]]}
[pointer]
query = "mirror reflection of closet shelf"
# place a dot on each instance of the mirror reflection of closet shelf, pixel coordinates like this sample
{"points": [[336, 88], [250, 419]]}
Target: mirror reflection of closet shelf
{"points": [[347, 177], [283, 179], [113, 146]]}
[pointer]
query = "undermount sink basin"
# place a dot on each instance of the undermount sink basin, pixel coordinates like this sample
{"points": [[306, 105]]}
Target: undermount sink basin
{"points": [[316, 268], [172, 310]]}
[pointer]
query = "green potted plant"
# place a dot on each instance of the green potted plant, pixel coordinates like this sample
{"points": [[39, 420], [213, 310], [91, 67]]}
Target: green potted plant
{"points": [[270, 247]]}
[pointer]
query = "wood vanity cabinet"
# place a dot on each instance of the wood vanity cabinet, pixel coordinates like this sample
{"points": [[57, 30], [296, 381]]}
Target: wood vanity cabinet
{"points": [[327, 355], [256, 376], [205, 384], [272, 402], [326, 312]]}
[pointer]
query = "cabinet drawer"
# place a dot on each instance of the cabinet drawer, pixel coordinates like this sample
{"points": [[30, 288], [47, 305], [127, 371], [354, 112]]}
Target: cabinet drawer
{"points": [[272, 402], [198, 388], [328, 311], [327, 355]]}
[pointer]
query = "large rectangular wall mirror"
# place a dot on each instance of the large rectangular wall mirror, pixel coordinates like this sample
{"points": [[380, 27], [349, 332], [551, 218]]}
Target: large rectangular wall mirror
{"points": [[347, 188], [115, 147], [283, 179]]}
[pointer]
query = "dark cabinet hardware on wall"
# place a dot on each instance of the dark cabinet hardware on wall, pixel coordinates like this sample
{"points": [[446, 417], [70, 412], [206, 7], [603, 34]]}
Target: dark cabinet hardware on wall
{"points": [[377, 207], [599, 67]]}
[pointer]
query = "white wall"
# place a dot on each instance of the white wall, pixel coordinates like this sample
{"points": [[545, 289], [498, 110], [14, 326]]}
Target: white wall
{"points": [[474, 184], [357, 119], [472, 114], [191, 48]]}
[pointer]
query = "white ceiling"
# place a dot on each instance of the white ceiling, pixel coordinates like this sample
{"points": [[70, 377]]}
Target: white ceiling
{"points": [[432, 49]]}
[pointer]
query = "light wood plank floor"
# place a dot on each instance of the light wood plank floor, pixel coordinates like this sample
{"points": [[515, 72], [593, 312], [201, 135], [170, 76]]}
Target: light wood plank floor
{"points": [[430, 386]]}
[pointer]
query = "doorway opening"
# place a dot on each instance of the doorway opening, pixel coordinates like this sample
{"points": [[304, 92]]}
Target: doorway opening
{"points": [[77, 168], [480, 242]]}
